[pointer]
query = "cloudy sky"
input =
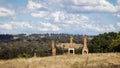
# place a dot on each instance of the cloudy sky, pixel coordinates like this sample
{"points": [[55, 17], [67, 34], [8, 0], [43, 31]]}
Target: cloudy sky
{"points": [[89, 17]]}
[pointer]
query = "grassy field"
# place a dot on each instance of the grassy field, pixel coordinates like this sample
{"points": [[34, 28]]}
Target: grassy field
{"points": [[100, 60]]}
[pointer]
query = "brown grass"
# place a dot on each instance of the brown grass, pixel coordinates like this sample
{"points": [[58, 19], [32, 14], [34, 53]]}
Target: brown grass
{"points": [[101, 60]]}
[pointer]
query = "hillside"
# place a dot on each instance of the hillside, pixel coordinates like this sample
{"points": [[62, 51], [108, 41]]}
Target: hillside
{"points": [[98, 60], [67, 45], [22, 45], [60, 38]]}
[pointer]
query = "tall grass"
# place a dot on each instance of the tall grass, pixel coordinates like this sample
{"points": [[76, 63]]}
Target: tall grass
{"points": [[101, 60]]}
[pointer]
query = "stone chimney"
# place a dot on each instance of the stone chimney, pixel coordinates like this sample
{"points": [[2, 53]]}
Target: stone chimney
{"points": [[85, 49], [53, 48], [71, 50], [71, 42]]}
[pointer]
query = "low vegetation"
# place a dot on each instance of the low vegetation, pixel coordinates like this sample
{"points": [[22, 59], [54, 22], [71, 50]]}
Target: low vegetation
{"points": [[103, 43], [22, 45], [95, 60]]}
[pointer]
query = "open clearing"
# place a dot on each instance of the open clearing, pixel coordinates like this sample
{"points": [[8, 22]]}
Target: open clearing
{"points": [[96, 60]]}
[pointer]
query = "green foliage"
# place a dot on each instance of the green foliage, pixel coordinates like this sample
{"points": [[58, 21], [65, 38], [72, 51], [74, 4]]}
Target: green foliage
{"points": [[78, 51], [24, 55], [107, 42], [22, 45], [12, 46]]}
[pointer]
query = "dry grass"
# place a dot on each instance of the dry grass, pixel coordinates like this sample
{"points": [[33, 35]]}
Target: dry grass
{"points": [[67, 45], [101, 60]]}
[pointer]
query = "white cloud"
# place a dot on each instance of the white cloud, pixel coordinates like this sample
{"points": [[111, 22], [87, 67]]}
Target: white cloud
{"points": [[58, 15], [61, 17], [118, 9], [13, 25], [83, 5], [33, 5], [6, 26], [118, 1], [93, 5], [73, 5], [117, 14], [48, 27], [21, 27], [99, 28], [39, 14], [6, 12], [118, 24], [85, 2], [52, 2], [68, 18]]}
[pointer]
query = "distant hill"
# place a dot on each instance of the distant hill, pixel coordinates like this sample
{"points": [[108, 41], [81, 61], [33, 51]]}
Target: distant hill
{"points": [[67, 45], [59, 38]]}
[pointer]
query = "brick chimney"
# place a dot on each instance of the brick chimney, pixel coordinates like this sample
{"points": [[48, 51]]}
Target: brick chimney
{"points": [[53, 48], [85, 49]]}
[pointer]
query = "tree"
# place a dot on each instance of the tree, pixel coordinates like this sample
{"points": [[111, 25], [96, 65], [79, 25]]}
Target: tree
{"points": [[103, 42]]}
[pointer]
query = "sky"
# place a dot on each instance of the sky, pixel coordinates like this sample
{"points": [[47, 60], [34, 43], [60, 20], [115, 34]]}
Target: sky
{"points": [[90, 17]]}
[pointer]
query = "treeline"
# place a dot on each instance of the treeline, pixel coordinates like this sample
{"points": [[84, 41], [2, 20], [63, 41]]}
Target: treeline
{"points": [[60, 38], [22, 45], [107, 42]]}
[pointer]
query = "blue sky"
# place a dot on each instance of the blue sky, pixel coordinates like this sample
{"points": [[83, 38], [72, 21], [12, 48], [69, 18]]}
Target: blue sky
{"points": [[89, 17]]}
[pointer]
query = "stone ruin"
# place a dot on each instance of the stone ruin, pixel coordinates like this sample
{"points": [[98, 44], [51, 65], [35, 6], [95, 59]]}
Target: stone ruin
{"points": [[71, 49], [53, 48], [85, 49]]}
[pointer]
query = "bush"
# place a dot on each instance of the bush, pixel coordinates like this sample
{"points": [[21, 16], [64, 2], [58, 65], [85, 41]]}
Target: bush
{"points": [[24, 55]]}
